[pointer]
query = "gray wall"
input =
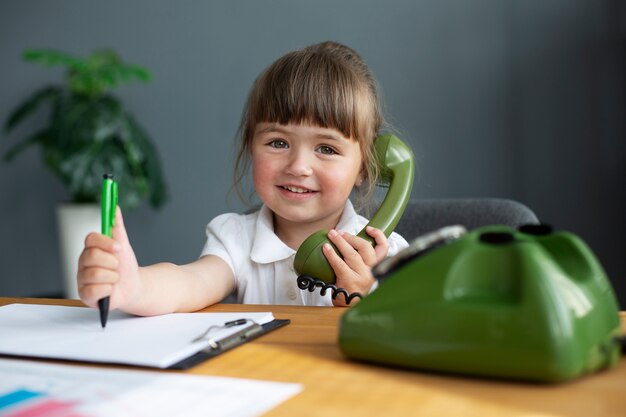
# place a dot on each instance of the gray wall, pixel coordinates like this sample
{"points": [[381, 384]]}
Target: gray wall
{"points": [[516, 99]]}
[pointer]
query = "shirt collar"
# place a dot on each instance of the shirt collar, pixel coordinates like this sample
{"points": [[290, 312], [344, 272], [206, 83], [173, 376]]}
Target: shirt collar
{"points": [[267, 247], [349, 219]]}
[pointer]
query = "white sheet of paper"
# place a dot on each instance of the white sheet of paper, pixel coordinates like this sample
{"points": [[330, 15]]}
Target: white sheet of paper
{"points": [[74, 333], [30, 388]]}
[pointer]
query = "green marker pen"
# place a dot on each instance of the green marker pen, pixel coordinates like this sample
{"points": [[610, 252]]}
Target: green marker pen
{"points": [[109, 204]]}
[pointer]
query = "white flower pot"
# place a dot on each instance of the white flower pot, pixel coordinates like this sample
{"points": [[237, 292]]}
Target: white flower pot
{"points": [[75, 222]]}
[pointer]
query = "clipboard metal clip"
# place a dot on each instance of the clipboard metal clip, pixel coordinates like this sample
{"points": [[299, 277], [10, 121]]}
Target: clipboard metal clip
{"points": [[250, 331], [220, 326], [235, 339]]}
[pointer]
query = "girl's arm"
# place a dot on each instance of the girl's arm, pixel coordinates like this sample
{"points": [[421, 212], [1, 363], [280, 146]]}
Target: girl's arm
{"points": [[108, 267], [169, 288]]}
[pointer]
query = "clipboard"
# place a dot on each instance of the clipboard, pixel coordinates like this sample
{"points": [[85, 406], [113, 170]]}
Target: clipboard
{"points": [[169, 341], [245, 335]]}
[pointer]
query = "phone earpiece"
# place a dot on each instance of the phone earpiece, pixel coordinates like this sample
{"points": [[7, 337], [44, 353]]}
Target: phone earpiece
{"points": [[395, 161], [311, 261]]}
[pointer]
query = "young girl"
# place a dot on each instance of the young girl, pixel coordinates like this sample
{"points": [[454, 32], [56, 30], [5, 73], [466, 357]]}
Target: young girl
{"points": [[307, 134]]}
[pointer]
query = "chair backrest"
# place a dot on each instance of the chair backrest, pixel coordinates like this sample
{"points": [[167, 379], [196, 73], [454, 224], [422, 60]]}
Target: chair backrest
{"points": [[423, 216]]}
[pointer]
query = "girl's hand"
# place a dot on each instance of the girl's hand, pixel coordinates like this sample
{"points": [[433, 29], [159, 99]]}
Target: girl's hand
{"points": [[108, 267], [354, 271]]}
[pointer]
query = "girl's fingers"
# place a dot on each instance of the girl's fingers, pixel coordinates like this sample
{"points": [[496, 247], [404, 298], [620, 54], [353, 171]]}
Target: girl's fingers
{"points": [[95, 283], [110, 244], [337, 264], [98, 240], [102, 264], [350, 255], [94, 275], [352, 279], [95, 257], [90, 294], [370, 255], [382, 244], [119, 231]]}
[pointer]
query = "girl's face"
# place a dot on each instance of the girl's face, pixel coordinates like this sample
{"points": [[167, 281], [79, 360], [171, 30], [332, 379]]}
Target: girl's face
{"points": [[304, 173]]}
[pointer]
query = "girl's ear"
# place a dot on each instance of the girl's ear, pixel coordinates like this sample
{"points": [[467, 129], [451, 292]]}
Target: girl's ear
{"points": [[360, 178]]}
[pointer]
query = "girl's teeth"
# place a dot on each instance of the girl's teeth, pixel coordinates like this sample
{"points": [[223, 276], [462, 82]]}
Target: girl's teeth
{"points": [[296, 190]]}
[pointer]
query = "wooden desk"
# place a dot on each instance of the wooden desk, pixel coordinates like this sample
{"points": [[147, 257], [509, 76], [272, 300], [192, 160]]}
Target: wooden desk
{"points": [[307, 352]]}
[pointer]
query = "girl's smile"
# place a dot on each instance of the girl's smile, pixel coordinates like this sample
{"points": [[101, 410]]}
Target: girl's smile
{"points": [[304, 173], [296, 192]]}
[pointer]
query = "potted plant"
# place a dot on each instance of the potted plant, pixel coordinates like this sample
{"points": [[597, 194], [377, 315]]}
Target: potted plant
{"points": [[89, 133]]}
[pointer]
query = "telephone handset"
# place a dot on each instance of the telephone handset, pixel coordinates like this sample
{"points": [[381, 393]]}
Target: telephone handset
{"points": [[395, 159]]}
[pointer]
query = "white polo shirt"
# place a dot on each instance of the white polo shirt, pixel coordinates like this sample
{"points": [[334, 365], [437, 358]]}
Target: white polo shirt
{"points": [[262, 264]]}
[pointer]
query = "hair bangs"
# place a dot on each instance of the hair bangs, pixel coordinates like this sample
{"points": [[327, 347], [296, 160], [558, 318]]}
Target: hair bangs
{"points": [[313, 90]]}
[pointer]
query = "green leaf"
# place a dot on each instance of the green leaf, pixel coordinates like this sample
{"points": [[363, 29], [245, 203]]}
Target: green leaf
{"points": [[138, 72], [34, 139], [52, 58], [104, 70], [70, 123], [30, 105], [76, 170]]}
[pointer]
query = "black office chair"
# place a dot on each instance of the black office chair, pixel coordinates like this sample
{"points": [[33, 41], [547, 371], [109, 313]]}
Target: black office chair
{"points": [[423, 216]]}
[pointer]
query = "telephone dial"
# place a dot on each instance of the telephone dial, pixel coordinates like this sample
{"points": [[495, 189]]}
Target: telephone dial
{"points": [[395, 160], [528, 303]]}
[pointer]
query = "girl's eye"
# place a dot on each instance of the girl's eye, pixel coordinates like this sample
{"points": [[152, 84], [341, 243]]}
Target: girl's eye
{"points": [[278, 144], [327, 150]]}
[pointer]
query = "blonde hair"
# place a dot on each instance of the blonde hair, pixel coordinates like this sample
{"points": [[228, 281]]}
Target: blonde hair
{"points": [[326, 84]]}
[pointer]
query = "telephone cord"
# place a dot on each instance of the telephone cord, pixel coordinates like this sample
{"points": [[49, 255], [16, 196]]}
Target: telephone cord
{"points": [[306, 282]]}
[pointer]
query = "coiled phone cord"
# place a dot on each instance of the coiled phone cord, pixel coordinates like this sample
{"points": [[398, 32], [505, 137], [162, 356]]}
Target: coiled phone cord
{"points": [[306, 282]]}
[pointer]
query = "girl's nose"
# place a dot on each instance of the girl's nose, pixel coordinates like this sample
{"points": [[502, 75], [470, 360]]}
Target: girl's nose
{"points": [[299, 164]]}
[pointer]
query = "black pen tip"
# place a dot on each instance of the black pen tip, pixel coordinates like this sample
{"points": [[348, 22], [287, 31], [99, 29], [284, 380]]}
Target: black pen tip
{"points": [[103, 306]]}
